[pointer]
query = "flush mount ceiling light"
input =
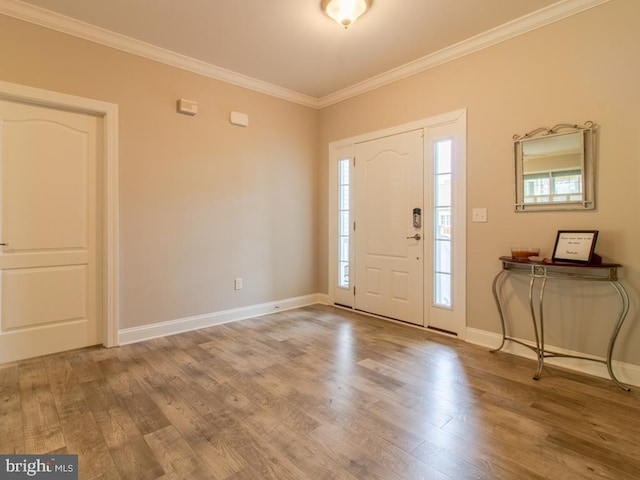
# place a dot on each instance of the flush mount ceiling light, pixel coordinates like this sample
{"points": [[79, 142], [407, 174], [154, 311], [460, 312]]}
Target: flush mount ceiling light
{"points": [[345, 12]]}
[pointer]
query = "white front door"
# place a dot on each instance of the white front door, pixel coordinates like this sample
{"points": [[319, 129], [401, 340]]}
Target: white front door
{"points": [[389, 248], [49, 268]]}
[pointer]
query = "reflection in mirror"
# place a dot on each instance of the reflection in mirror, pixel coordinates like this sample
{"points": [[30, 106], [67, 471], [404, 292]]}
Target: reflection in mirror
{"points": [[552, 169], [555, 168]]}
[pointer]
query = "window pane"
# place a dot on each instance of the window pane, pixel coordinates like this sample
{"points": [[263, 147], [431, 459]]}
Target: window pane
{"points": [[344, 225], [344, 197], [443, 189], [443, 156], [537, 186], [343, 274], [442, 223], [567, 181], [344, 249], [442, 289], [442, 260], [344, 172]]}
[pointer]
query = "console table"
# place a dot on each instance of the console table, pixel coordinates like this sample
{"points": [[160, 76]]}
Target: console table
{"points": [[605, 272]]}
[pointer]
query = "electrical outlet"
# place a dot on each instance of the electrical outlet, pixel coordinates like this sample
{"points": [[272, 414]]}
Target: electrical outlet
{"points": [[237, 284]]}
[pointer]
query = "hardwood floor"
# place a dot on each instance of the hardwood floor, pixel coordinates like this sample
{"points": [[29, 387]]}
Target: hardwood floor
{"points": [[317, 393]]}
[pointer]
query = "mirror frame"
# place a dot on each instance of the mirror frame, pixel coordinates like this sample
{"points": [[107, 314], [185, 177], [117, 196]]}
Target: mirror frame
{"points": [[588, 160]]}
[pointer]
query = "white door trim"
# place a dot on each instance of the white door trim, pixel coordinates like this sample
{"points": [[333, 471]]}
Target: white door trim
{"points": [[109, 114], [345, 147]]}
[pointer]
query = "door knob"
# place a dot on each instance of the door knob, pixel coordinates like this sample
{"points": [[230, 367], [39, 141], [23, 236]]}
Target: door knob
{"points": [[417, 236]]}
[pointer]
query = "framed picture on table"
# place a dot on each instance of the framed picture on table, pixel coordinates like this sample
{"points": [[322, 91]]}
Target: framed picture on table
{"points": [[575, 246]]}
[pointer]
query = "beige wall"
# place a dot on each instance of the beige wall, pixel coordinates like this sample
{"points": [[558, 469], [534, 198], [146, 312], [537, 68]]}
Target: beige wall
{"points": [[201, 201], [582, 68]]}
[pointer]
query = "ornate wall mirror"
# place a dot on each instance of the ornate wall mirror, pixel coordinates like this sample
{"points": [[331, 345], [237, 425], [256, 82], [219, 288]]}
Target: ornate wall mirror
{"points": [[555, 168]]}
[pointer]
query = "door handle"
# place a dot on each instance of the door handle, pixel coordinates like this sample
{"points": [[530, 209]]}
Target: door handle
{"points": [[417, 236]]}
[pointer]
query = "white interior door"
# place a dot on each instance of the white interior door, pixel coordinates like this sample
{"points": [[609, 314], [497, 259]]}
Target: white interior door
{"points": [[389, 249], [49, 269]]}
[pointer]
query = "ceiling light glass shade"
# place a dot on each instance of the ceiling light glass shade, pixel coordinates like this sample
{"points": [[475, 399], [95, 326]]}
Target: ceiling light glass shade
{"points": [[345, 12]]}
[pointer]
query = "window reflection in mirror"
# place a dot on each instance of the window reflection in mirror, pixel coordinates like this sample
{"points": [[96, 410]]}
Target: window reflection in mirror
{"points": [[552, 169], [555, 169]]}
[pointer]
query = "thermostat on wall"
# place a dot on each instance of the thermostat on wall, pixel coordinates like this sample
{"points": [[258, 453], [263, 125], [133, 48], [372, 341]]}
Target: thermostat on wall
{"points": [[188, 107]]}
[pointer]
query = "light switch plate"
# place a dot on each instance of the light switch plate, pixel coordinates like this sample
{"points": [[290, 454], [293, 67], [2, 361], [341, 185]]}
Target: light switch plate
{"points": [[479, 215]]}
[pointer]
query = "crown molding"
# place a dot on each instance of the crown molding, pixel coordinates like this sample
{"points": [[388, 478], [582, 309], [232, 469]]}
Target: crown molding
{"points": [[86, 31], [522, 25]]}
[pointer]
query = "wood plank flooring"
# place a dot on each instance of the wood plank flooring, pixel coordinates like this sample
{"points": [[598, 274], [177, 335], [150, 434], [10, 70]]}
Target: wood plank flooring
{"points": [[317, 393]]}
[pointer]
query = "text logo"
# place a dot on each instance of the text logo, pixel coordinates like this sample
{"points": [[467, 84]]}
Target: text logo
{"points": [[49, 467]]}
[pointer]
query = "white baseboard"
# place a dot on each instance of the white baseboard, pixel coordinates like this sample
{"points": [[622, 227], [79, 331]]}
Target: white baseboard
{"points": [[172, 327], [625, 372]]}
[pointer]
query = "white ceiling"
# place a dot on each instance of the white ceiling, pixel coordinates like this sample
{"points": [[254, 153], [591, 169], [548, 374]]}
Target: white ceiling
{"points": [[292, 44]]}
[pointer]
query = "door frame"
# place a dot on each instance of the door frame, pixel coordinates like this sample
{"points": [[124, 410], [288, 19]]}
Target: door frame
{"points": [[344, 148], [108, 112]]}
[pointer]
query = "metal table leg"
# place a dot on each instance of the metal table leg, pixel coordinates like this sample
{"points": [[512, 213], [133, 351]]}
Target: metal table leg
{"points": [[624, 309], [496, 297]]}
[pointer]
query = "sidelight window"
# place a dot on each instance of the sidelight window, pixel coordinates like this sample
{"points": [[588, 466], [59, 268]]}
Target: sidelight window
{"points": [[344, 225], [442, 223]]}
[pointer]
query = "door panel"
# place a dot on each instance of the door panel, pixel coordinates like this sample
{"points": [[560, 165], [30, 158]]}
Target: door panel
{"points": [[388, 264], [38, 214], [400, 286], [48, 267], [43, 295]]}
